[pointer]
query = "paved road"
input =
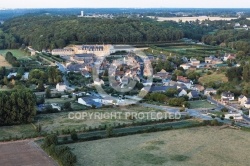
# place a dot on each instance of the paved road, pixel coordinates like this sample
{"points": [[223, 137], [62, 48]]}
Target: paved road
{"points": [[246, 118], [191, 112]]}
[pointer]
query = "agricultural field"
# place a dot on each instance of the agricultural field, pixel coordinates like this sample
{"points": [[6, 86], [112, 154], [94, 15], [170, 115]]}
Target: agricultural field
{"points": [[18, 131], [23, 153], [19, 54], [201, 104], [213, 78], [193, 146], [187, 50], [3, 62], [61, 121]]}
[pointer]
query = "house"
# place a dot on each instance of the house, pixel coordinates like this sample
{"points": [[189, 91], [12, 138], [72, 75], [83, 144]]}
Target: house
{"points": [[229, 57], [11, 75], [210, 91], [212, 60], [194, 62], [247, 103], [155, 89], [185, 81], [63, 52], [84, 57], [25, 76], [185, 66], [107, 100], [198, 88], [193, 95], [90, 101], [60, 87], [98, 82], [242, 100], [162, 74], [182, 92], [56, 106], [227, 95]]}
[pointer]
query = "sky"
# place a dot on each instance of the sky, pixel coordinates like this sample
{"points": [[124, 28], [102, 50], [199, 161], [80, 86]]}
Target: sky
{"points": [[125, 4]]}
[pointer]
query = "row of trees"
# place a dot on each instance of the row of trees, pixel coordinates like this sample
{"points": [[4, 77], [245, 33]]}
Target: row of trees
{"points": [[17, 107]]}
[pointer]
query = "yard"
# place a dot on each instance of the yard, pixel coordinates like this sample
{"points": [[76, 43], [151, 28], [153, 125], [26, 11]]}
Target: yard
{"points": [[193, 146], [201, 104]]}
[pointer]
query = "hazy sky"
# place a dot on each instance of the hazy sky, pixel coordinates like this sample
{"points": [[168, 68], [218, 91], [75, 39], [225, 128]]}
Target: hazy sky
{"points": [[125, 3]]}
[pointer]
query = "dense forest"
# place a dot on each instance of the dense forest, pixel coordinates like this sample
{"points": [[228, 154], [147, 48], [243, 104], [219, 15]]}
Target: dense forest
{"points": [[57, 32], [50, 31], [17, 107]]}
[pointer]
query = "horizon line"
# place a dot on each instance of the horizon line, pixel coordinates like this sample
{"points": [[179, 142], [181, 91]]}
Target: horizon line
{"points": [[3, 8]]}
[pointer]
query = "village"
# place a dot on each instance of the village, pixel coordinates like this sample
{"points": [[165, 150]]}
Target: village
{"points": [[125, 77]]}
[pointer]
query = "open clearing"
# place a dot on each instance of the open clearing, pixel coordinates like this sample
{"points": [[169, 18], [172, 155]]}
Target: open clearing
{"points": [[3, 62], [184, 147], [214, 78], [200, 104], [23, 153], [200, 18], [19, 54]]}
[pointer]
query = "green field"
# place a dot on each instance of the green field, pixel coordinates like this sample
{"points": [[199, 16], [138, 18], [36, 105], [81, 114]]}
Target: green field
{"points": [[19, 54], [200, 104], [58, 121], [187, 50], [213, 78], [185, 147], [18, 130]]}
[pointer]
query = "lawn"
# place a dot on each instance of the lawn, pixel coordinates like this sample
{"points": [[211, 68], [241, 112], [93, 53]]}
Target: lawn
{"points": [[201, 104], [214, 77], [190, 147], [19, 54]]}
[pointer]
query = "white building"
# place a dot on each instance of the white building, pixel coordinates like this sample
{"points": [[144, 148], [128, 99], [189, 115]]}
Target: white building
{"points": [[60, 87], [56, 106]]}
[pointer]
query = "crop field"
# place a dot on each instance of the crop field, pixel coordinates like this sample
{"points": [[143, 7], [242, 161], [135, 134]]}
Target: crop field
{"points": [[201, 104], [187, 50], [214, 78], [61, 121], [193, 146], [19, 54], [18, 131], [22, 153]]}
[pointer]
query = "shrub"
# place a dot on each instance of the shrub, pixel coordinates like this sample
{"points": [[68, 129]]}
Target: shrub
{"points": [[74, 136]]}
